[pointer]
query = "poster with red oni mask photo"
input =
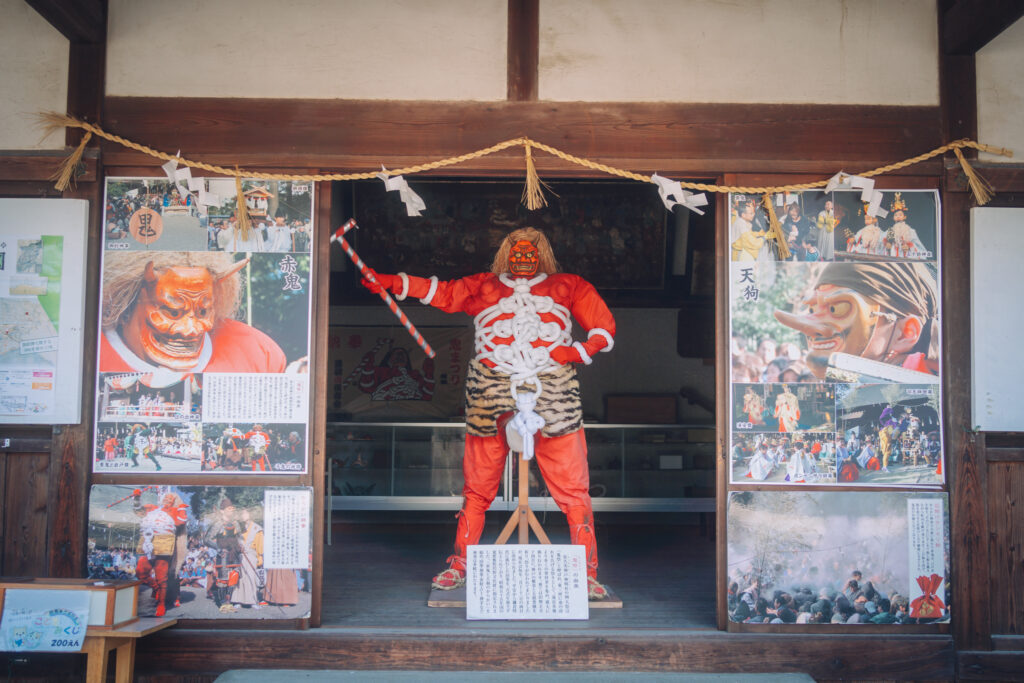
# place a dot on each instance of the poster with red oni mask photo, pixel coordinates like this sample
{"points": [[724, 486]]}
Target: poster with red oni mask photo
{"points": [[203, 321]]}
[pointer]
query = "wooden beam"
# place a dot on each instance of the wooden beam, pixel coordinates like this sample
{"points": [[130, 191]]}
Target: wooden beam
{"points": [[360, 135], [523, 49], [26, 166], [969, 25], [80, 21], [989, 666], [893, 656]]}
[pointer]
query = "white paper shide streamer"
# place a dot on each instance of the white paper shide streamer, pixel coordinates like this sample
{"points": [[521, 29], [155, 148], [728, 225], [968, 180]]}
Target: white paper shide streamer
{"points": [[845, 181], [414, 205], [672, 194]]}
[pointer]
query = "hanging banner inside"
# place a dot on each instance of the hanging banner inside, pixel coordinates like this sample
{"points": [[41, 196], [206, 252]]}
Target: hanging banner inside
{"points": [[204, 331], [206, 552], [381, 372], [836, 347]]}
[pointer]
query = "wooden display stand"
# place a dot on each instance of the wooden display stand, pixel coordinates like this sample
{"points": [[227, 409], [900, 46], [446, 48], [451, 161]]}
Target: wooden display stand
{"points": [[114, 623], [100, 641], [524, 519]]}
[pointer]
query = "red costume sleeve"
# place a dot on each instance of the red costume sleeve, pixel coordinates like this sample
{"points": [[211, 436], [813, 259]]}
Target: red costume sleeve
{"points": [[451, 296], [591, 312]]}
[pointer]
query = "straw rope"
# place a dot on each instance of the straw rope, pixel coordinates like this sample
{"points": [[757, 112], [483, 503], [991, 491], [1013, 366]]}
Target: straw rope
{"points": [[52, 120]]}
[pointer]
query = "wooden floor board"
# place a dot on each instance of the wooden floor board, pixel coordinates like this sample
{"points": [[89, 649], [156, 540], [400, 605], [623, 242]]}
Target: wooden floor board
{"points": [[378, 575]]}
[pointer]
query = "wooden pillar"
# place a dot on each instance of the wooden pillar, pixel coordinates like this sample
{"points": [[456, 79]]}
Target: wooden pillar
{"points": [[523, 49], [71, 453]]}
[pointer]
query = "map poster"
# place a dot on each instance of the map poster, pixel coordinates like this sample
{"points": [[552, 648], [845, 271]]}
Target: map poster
{"points": [[42, 297]]}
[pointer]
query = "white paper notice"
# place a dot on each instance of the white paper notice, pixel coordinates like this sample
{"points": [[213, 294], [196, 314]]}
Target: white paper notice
{"points": [[222, 187], [287, 525], [255, 397], [44, 620], [526, 582], [927, 559]]}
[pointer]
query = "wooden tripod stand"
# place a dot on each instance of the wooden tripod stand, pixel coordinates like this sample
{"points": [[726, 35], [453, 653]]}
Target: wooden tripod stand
{"points": [[523, 516]]}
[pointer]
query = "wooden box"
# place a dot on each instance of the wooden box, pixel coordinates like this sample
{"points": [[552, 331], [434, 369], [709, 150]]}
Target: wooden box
{"points": [[113, 603], [640, 408]]}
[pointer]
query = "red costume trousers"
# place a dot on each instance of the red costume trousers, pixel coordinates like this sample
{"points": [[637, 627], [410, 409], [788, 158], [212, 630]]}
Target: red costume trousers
{"points": [[154, 574], [563, 464]]}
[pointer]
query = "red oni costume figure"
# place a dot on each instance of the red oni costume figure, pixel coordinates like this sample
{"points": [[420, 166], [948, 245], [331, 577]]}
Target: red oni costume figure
{"points": [[523, 311], [158, 541], [258, 440], [172, 312]]}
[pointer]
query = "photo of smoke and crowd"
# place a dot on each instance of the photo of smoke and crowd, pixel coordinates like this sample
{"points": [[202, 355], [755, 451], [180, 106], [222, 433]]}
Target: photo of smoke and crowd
{"points": [[811, 557]]}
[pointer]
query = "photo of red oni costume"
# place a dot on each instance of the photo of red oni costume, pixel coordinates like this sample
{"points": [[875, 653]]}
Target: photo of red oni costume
{"points": [[158, 552], [524, 368], [173, 311]]}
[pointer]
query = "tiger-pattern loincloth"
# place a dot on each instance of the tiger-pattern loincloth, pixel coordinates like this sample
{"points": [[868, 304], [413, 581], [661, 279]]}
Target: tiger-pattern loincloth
{"points": [[488, 396]]}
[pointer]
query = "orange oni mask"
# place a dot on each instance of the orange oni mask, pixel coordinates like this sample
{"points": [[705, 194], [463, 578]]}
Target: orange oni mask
{"points": [[173, 313], [523, 259]]}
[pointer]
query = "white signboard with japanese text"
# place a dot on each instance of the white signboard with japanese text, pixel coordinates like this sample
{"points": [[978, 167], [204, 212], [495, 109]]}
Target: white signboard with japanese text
{"points": [[287, 521], [526, 582]]}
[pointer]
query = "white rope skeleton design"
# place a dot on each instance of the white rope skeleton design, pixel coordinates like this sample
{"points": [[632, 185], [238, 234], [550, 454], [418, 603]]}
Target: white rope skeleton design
{"points": [[520, 359]]}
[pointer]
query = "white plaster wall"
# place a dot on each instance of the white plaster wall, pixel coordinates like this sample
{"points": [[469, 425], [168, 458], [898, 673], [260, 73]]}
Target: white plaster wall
{"points": [[351, 49], [1000, 81], [33, 76], [778, 51]]}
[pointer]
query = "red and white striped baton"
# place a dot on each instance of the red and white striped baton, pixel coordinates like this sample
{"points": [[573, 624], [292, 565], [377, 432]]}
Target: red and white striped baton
{"points": [[339, 236]]}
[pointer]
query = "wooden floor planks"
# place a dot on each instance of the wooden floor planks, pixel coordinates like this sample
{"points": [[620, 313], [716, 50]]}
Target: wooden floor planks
{"points": [[378, 575]]}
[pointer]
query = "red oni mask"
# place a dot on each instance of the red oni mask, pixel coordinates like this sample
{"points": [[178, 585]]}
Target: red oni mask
{"points": [[523, 259], [172, 315]]}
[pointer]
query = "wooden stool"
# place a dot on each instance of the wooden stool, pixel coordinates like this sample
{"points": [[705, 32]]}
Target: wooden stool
{"points": [[100, 641]]}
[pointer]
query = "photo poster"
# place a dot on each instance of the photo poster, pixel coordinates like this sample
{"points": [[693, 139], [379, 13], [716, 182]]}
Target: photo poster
{"points": [[206, 552], [382, 373], [204, 328], [42, 309], [800, 556], [836, 349]]}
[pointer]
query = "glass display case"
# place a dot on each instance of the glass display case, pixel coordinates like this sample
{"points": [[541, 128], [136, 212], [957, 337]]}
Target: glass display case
{"points": [[418, 466]]}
